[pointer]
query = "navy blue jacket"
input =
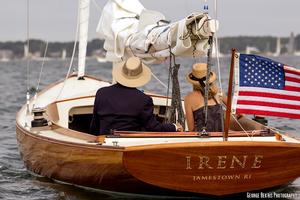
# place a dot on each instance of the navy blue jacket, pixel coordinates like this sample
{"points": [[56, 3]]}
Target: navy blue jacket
{"points": [[122, 108]]}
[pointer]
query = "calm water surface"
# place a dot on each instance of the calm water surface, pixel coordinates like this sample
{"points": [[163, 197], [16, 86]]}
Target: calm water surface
{"points": [[17, 183]]}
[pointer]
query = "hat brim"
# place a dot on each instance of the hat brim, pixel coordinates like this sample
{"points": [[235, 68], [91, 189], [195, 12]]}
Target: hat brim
{"points": [[212, 78], [139, 81]]}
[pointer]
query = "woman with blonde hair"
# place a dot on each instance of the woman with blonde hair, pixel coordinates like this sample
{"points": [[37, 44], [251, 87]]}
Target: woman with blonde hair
{"points": [[194, 102]]}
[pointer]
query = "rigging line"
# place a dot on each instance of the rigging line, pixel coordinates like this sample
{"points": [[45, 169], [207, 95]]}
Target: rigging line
{"points": [[216, 44], [73, 54], [207, 85], [97, 6], [237, 121], [168, 85], [217, 50], [28, 63], [169, 78], [165, 86], [276, 130], [40, 75], [27, 56], [42, 67]]}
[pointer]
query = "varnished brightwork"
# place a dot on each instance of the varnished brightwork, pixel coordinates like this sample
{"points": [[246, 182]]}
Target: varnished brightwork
{"points": [[167, 166], [229, 97], [191, 134], [92, 166]]}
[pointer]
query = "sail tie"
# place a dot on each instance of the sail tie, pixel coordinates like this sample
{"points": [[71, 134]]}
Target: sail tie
{"points": [[176, 103]]}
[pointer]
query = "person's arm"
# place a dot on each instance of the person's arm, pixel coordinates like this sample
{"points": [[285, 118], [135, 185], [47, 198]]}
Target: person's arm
{"points": [[189, 114], [149, 121]]}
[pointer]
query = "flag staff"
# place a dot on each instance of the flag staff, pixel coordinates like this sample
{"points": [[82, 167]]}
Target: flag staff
{"points": [[229, 97]]}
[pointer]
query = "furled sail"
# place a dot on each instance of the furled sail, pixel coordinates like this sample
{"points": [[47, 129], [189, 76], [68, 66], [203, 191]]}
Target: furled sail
{"points": [[129, 29]]}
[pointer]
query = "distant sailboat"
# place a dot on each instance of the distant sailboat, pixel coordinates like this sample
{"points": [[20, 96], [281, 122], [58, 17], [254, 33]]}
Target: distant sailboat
{"points": [[26, 52], [6, 55], [251, 49], [278, 47], [63, 54], [291, 44], [101, 59]]}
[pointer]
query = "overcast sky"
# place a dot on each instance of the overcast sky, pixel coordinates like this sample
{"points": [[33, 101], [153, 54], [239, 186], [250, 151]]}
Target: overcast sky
{"points": [[55, 20]]}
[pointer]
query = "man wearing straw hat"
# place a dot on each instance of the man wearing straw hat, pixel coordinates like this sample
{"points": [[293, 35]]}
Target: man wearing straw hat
{"points": [[123, 107]]}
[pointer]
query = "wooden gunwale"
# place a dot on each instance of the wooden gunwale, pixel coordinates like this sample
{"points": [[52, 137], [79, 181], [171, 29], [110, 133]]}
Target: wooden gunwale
{"points": [[129, 134], [106, 171], [64, 131], [81, 145], [92, 96], [213, 144]]}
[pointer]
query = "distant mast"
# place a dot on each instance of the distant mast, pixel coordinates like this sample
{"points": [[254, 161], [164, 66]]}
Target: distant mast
{"points": [[63, 54], [278, 47], [84, 9], [291, 44], [26, 52]]}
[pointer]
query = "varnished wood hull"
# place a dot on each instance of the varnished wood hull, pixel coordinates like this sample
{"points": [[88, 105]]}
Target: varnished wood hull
{"points": [[96, 167], [216, 168], [203, 167]]}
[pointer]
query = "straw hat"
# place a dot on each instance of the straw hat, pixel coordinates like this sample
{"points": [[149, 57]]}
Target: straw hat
{"points": [[132, 73], [199, 71]]}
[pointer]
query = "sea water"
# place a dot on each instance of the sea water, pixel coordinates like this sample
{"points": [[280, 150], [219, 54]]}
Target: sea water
{"points": [[17, 183]]}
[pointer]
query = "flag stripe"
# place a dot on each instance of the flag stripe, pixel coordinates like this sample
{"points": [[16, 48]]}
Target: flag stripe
{"points": [[267, 108], [291, 75], [292, 88], [291, 70], [292, 79], [272, 95], [266, 99], [269, 104], [268, 113], [269, 90]]}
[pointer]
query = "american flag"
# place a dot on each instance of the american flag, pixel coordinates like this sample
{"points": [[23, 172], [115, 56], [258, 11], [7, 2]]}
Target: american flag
{"points": [[265, 87]]}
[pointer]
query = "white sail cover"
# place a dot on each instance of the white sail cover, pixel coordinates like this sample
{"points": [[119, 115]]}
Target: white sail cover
{"points": [[129, 29], [84, 9]]}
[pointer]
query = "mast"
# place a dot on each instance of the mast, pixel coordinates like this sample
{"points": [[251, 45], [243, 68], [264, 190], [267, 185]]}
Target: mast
{"points": [[84, 9], [26, 52], [229, 98]]}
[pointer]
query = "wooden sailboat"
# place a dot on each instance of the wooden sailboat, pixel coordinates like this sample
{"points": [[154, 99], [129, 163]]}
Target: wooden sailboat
{"points": [[54, 143], [178, 161]]}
